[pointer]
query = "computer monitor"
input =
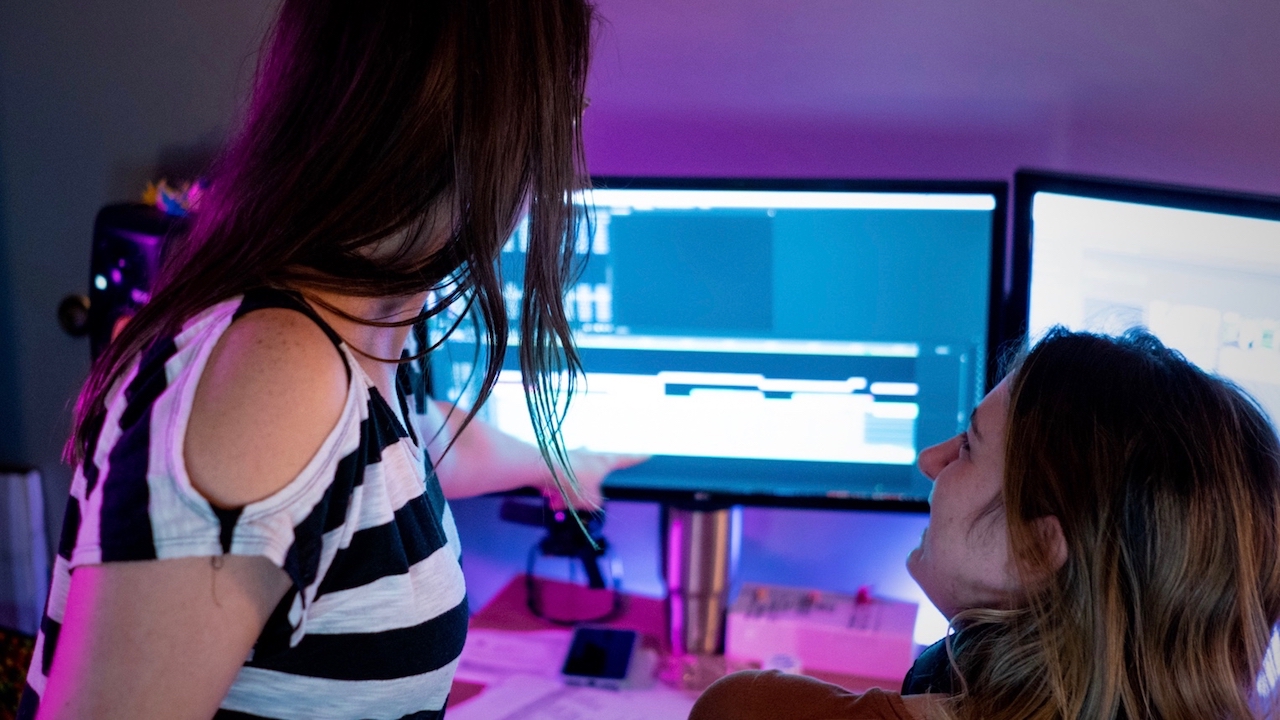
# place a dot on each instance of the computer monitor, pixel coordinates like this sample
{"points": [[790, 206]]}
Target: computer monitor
{"points": [[1199, 268], [787, 343]]}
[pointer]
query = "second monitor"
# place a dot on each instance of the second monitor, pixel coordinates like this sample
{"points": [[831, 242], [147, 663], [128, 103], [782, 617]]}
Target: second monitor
{"points": [[1198, 268], [770, 342]]}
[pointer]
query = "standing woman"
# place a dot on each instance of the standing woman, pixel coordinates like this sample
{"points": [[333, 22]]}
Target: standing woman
{"points": [[256, 528]]}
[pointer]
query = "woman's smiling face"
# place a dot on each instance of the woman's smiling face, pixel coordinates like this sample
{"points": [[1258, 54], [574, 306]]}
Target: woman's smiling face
{"points": [[963, 559]]}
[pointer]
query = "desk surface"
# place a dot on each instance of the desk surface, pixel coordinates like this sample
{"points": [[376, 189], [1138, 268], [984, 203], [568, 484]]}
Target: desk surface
{"points": [[509, 611]]}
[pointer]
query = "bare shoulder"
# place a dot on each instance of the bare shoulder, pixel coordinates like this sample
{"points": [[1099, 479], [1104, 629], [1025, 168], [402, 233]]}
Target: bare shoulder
{"points": [[272, 391]]}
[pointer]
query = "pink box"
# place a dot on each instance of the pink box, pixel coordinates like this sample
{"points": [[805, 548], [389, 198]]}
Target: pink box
{"points": [[833, 632]]}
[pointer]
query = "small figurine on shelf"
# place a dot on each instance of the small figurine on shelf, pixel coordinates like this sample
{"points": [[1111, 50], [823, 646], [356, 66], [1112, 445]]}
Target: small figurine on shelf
{"points": [[173, 200]]}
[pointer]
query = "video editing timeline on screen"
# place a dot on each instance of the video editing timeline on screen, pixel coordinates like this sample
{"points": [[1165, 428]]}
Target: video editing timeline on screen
{"points": [[729, 398], [1207, 284], [766, 342]]}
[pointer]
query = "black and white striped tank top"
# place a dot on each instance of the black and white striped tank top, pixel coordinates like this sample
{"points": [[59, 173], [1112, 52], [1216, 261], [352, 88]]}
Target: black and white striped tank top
{"points": [[376, 617]]}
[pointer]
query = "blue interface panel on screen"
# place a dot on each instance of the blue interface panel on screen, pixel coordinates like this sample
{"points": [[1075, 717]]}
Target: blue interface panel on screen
{"points": [[764, 345], [1201, 271]]}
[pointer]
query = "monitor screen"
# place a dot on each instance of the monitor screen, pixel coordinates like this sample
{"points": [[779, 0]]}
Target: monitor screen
{"points": [[770, 343], [1199, 269]]}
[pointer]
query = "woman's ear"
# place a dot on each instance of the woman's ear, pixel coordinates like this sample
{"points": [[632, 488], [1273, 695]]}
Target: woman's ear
{"points": [[1052, 541]]}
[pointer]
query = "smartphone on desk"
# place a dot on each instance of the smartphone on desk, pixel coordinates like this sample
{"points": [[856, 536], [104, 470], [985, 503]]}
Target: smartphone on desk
{"points": [[601, 657]]}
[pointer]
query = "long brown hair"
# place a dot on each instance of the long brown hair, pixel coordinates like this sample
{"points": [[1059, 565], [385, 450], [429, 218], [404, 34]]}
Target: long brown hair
{"points": [[370, 121], [1166, 483]]}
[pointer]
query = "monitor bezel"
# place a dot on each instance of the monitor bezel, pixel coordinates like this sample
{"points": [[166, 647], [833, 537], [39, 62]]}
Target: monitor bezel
{"points": [[1028, 181], [1000, 294]]}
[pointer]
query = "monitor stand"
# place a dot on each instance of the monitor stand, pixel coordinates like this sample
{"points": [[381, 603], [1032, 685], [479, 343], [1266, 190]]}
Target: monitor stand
{"points": [[699, 558]]}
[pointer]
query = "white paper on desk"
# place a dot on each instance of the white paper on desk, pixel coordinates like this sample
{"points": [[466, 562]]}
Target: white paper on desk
{"points": [[527, 697], [493, 654], [505, 698]]}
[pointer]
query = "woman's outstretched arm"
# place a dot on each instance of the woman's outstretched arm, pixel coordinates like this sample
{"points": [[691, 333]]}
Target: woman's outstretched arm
{"points": [[484, 459]]}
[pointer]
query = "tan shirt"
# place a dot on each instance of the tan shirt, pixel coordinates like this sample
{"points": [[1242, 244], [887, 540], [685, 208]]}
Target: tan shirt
{"points": [[771, 695]]}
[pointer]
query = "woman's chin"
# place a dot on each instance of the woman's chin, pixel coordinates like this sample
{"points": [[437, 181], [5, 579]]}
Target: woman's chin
{"points": [[913, 562], [913, 557]]}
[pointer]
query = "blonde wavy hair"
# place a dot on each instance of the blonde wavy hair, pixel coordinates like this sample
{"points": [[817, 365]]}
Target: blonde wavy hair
{"points": [[1166, 482]]}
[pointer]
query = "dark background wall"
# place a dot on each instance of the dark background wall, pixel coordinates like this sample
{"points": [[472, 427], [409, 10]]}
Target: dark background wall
{"points": [[97, 98]]}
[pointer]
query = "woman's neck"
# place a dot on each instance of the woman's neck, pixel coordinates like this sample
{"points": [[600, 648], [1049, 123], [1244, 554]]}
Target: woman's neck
{"points": [[372, 344]]}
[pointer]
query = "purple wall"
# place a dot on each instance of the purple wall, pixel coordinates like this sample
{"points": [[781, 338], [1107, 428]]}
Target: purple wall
{"points": [[1178, 91]]}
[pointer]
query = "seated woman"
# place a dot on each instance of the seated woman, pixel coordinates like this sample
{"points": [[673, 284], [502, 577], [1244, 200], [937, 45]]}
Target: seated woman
{"points": [[1104, 537]]}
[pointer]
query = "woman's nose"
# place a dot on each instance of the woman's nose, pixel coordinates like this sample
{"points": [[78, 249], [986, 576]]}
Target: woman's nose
{"points": [[935, 457]]}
